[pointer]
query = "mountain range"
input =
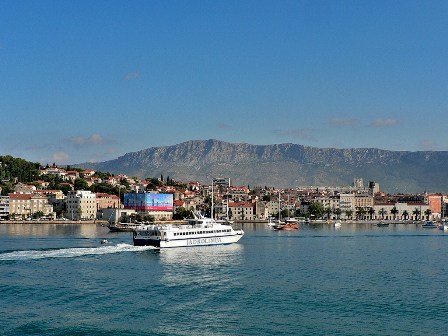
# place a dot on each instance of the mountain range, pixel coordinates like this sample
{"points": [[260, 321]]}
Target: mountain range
{"points": [[285, 165]]}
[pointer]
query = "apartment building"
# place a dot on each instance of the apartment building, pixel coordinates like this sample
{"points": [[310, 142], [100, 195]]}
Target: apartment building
{"points": [[242, 210], [4, 207], [364, 201], [106, 201], [435, 204], [346, 203], [25, 205], [80, 204], [56, 198], [332, 202]]}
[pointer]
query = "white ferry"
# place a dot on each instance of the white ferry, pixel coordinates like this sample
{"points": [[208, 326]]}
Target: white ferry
{"points": [[197, 232]]}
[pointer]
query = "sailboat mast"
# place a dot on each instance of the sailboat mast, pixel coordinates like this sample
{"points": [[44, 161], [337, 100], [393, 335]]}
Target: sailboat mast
{"points": [[119, 199], [279, 209], [227, 199], [211, 211]]}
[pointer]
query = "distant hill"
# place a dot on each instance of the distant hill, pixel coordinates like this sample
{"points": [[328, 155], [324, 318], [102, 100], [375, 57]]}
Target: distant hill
{"points": [[285, 165]]}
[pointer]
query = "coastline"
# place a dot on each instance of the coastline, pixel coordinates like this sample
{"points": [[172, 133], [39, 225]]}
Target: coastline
{"points": [[90, 222], [238, 221]]}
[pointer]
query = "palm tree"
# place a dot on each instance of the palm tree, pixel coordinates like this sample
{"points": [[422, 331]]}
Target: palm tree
{"points": [[394, 211], [349, 213], [405, 214], [416, 212], [382, 212], [371, 212], [360, 212], [428, 213], [337, 212]]}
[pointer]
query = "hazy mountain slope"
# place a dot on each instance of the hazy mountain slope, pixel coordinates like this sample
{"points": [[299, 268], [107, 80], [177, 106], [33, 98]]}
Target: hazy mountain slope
{"points": [[285, 165]]}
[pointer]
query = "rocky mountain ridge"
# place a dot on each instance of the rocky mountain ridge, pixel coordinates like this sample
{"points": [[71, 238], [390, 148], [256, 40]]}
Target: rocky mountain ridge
{"points": [[285, 165]]}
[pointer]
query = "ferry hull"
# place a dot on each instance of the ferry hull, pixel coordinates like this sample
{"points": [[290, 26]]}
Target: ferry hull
{"points": [[188, 242]]}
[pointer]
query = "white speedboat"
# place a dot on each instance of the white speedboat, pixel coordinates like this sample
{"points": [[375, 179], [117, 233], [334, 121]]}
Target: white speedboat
{"points": [[197, 232]]}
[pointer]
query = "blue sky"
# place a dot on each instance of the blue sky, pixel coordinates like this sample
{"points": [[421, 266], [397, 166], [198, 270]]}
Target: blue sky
{"points": [[92, 80]]}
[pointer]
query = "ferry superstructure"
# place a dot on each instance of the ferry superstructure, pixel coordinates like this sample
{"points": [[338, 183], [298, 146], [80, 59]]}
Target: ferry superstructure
{"points": [[197, 232]]}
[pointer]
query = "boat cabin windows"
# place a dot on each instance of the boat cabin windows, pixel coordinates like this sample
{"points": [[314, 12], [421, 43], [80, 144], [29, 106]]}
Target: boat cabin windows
{"points": [[188, 233]]}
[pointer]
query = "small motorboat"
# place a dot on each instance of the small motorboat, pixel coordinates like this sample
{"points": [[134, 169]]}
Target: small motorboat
{"points": [[382, 224], [429, 225], [286, 226], [104, 241]]}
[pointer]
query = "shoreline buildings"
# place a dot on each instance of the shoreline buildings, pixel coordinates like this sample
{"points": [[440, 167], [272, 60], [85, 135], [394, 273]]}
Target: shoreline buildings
{"points": [[161, 200]]}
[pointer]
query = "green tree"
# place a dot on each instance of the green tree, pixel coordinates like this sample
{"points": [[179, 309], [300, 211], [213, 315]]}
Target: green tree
{"points": [[394, 211], [416, 212], [371, 212], [382, 212], [182, 213], [148, 218], [316, 209], [337, 212], [102, 175], [38, 214], [328, 211], [12, 169], [349, 213], [65, 188], [360, 213], [80, 184], [266, 198], [405, 214], [427, 213]]}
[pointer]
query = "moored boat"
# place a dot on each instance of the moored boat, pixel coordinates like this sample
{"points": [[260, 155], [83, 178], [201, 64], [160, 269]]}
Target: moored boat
{"points": [[382, 224], [197, 232], [122, 227], [429, 225], [286, 226]]}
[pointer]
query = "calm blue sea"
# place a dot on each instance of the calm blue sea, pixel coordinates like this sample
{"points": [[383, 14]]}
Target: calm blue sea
{"points": [[359, 280]]}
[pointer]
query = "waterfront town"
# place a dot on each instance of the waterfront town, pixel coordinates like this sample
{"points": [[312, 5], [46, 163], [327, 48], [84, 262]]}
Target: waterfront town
{"points": [[77, 198]]}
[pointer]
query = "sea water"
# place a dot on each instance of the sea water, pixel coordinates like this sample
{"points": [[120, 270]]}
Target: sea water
{"points": [[318, 280]]}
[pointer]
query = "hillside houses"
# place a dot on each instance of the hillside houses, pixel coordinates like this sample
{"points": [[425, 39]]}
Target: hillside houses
{"points": [[57, 194]]}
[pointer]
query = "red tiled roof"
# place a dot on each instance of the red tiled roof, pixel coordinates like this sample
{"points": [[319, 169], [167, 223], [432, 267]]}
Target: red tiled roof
{"points": [[20, 196]]}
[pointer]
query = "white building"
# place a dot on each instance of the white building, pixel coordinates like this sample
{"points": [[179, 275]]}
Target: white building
{"points": [[347, 203], [81, 204], [4, 207]]}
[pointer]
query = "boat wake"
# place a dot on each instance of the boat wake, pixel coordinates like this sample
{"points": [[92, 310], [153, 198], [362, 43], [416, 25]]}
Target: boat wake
{"points": [[72, 252]]}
